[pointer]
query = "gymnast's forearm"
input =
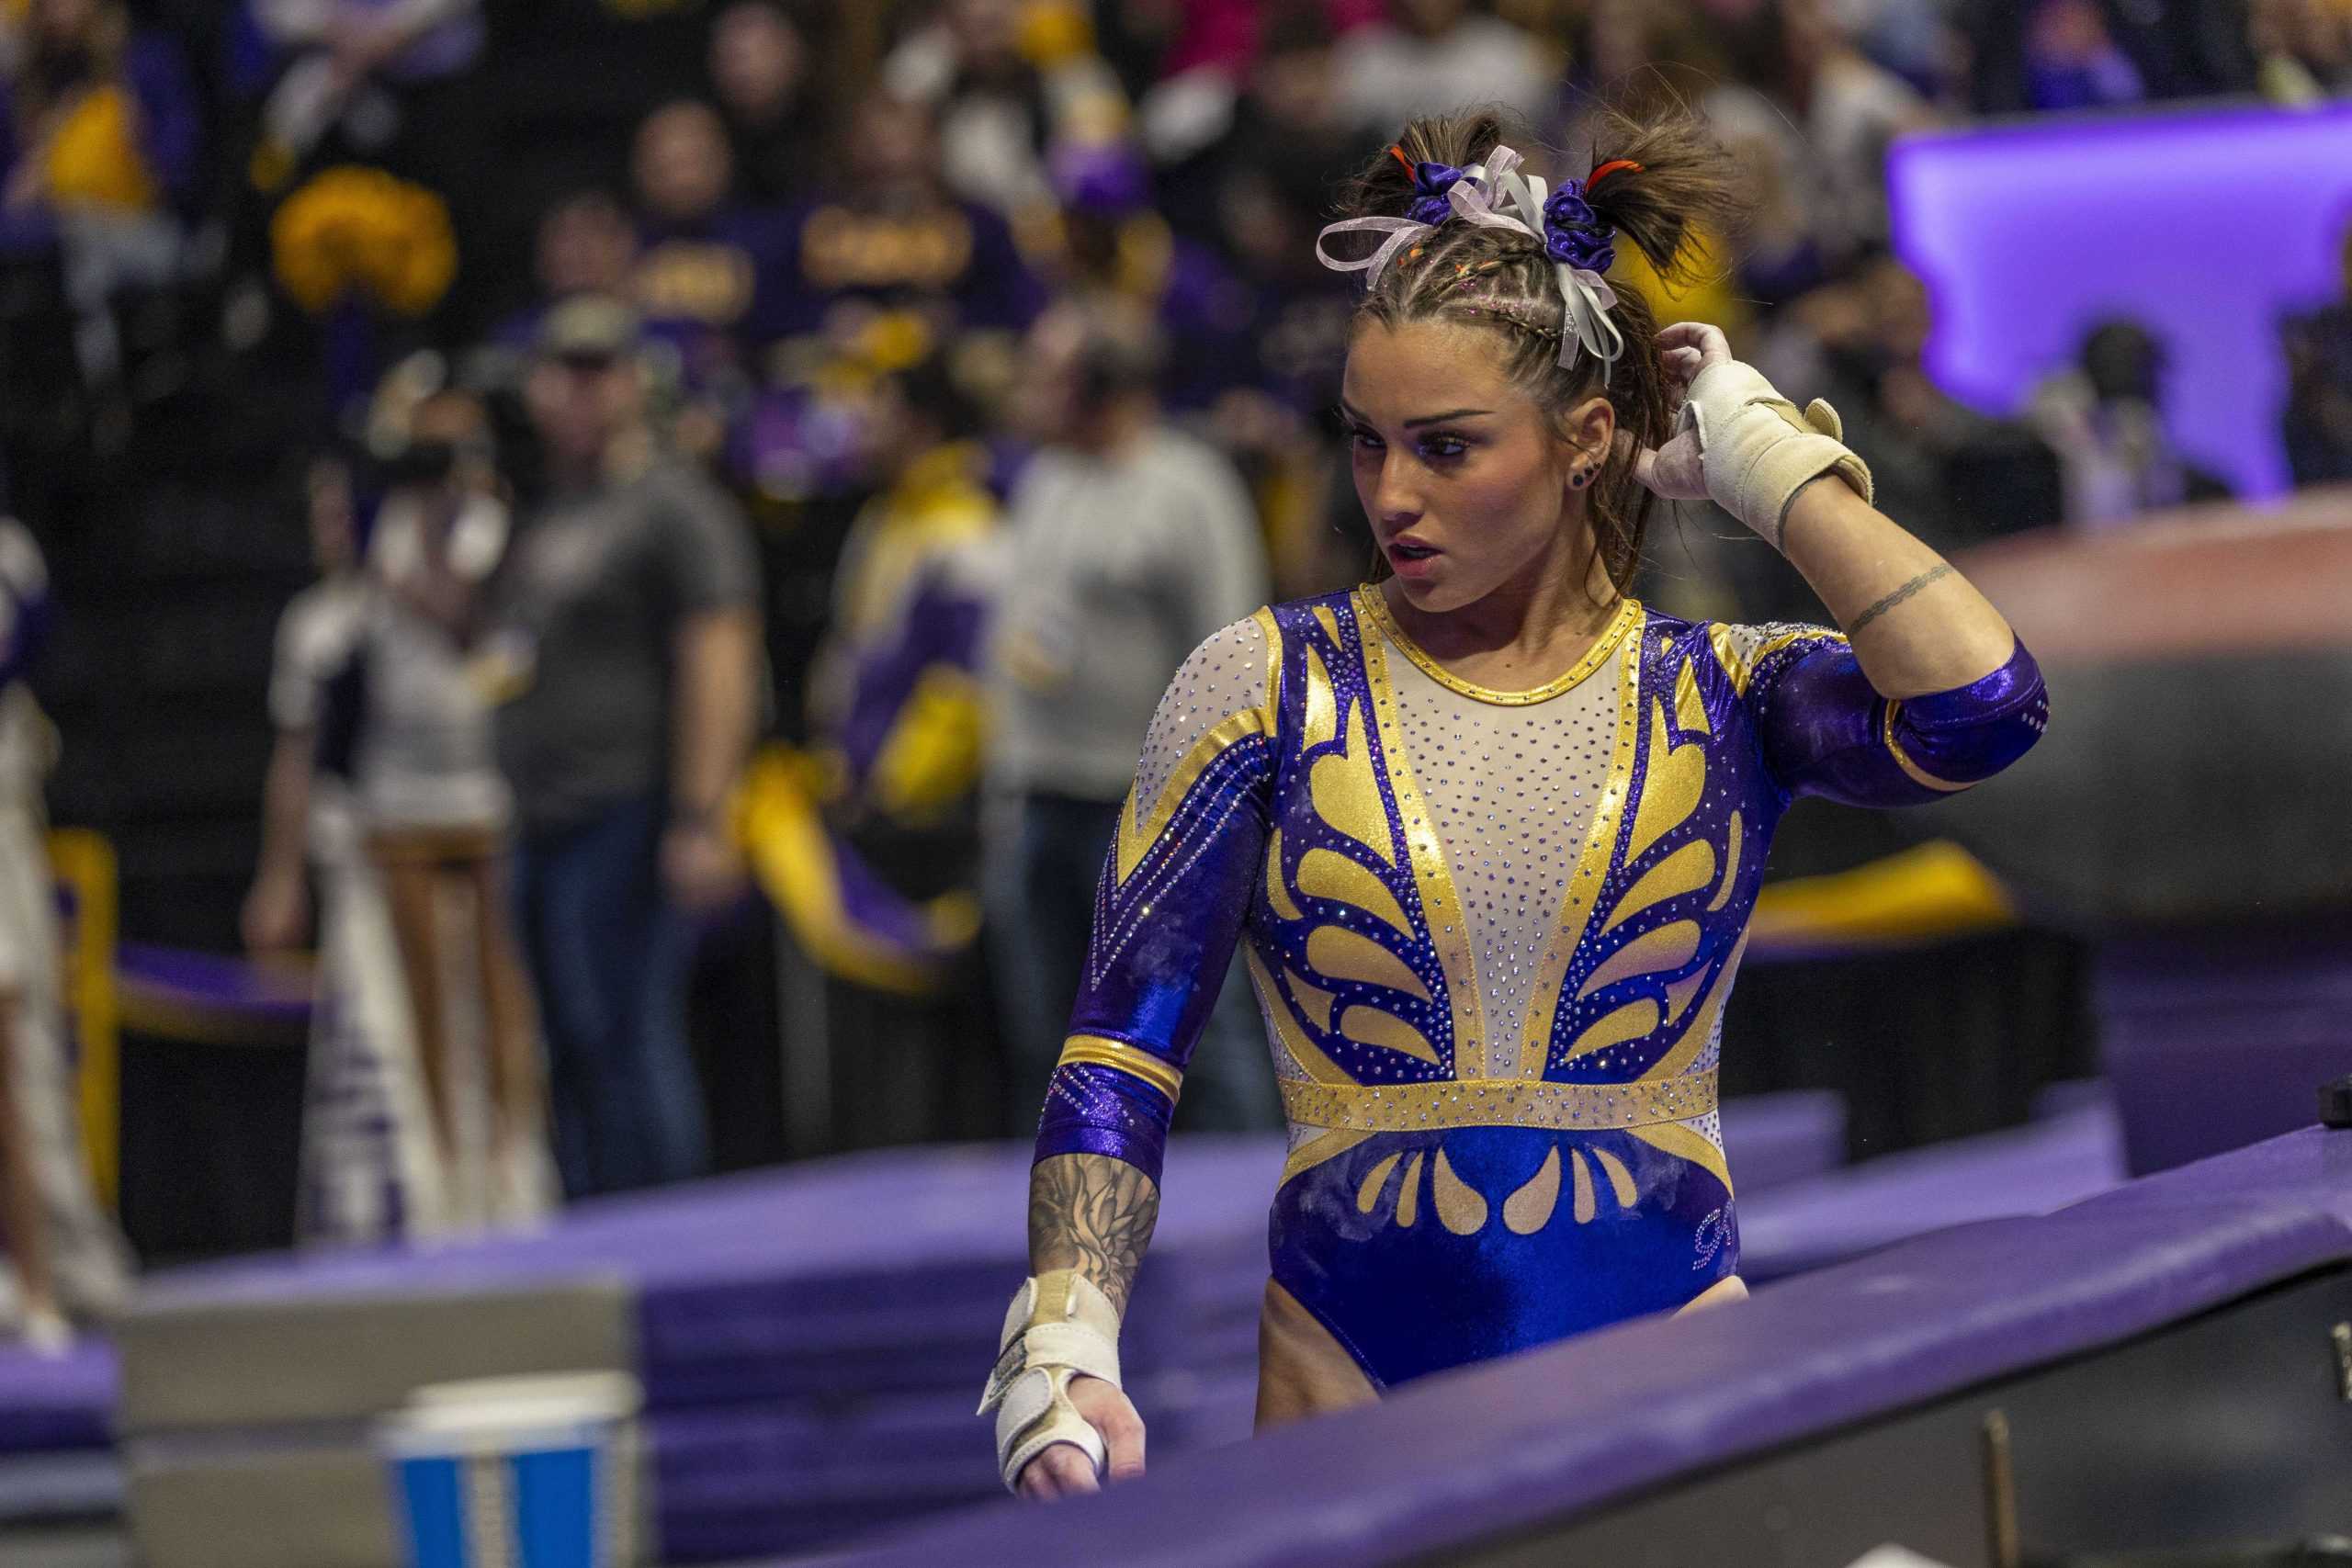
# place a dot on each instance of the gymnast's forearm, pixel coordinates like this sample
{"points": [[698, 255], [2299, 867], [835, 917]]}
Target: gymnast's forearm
{"points": [[1917, 625], [1094, 1214]]}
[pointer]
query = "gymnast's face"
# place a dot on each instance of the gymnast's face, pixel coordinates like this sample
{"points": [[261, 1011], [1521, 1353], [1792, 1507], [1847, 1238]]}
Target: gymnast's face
{"points": [[1463, 476]]}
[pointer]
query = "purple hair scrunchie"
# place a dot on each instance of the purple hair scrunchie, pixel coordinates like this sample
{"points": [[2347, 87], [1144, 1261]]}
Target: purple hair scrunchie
{"points": [[1431, 182], [1575, 233]]}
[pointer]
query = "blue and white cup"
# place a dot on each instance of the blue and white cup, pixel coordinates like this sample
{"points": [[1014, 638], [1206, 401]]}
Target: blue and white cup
{"points": [[517, 1473]]}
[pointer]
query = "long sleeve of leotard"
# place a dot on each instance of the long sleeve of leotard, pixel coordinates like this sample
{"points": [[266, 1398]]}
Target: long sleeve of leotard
{"points": [[1823, 731], [1170, 904]]}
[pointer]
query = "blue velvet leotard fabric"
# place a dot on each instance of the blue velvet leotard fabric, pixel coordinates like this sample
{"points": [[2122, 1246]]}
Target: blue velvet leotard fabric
{"points": [[1492, 934]]}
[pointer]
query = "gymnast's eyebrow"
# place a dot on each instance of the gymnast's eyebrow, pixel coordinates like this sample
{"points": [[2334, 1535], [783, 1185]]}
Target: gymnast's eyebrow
{"points": [[1418, 420]]}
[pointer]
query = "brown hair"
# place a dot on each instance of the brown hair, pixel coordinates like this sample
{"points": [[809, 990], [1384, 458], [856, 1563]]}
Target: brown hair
{"points": [[1674, 191]]}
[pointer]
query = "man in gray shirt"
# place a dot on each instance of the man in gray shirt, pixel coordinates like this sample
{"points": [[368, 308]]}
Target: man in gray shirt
{"points": [[1127, 544], [629, 625]]}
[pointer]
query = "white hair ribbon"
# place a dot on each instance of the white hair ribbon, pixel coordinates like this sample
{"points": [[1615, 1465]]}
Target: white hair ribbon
{"points": [[1585, 295]]}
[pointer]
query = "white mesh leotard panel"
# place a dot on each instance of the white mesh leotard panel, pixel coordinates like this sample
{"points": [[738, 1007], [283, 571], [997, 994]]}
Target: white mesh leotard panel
{"points": [[1224, 676], [1511, 793]]}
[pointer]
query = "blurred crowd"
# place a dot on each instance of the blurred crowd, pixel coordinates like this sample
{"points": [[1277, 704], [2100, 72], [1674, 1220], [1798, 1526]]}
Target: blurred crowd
{"points": [[911, 384]]}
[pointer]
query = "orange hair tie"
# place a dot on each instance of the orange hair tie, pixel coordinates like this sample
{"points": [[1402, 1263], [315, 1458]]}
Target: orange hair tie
{"points": [[1396, 150], [1611, 167]]}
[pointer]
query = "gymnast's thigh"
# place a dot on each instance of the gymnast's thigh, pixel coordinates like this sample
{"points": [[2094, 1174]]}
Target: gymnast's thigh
{"points": [[1302, 1369]]}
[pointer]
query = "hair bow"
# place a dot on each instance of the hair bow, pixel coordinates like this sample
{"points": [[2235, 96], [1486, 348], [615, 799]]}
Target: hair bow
{"points": [[1496, 194]]}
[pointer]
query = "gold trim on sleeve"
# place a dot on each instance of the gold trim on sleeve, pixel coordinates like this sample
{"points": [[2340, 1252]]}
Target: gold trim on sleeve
{"points": [[1093, 1050], [1137, 831], [1913, 771]]}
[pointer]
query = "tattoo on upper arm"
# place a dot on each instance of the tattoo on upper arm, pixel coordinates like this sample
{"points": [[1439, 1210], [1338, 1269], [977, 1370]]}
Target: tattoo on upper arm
{"points": [[1941, 569], [1095, 1214]]}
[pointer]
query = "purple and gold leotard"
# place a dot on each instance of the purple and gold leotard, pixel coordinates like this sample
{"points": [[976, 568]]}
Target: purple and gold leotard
{"points": [[1492, 933]]}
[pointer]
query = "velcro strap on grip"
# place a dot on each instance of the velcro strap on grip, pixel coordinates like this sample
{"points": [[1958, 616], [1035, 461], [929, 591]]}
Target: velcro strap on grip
{"points": [[1074, 1346]]}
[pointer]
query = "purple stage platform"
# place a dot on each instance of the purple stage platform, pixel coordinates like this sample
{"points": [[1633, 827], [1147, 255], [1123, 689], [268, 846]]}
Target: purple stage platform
{"points": [[2075, 1152], [786, 1326], [810, 1372], [59, 1472], [56, 1402], [1513, 1446]]}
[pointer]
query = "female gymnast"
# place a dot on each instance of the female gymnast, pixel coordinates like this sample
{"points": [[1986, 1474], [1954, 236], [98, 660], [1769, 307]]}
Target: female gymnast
{"points": [[1489, 830]]}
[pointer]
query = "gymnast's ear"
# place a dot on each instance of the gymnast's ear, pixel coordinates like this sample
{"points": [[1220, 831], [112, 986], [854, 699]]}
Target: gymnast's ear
{"points": [[1588, 433]]}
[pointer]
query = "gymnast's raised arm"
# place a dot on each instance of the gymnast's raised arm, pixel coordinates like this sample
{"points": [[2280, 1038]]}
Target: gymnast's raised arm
{"points": [[1927, 690]]}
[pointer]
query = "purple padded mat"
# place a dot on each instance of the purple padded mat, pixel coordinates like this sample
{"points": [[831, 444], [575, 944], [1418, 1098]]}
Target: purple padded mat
{"points": [[782, 1284], [736, 1482], [1503, 1445], [63, 1401], [961, 1202], [2069, 1155], [2217, 1038], [787, 1336]]}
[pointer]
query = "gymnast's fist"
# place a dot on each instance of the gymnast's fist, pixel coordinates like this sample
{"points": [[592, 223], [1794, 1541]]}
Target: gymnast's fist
{"points": [[1063, 1471]]}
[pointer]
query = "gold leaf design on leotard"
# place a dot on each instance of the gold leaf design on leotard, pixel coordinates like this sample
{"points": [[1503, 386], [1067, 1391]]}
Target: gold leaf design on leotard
{"points": [[1459, 1207], [1670, 791], [1529, 1209], [1314, 1002], [1685, 1143], [1731, 868], [1408, 1200], [1346, 794], [1289, 1016], [1694, 1036], [1278, 896], [1327, 874], [1322, 721], [1661, 952], [1687, 870], [1368, 1195], [1690, 707], [1621, 1180], [1314, 1151], [1377, 1026], [1583, 1202], [1673, 1137], [1339, 954], [1679, 995], [1631, 1021], [1327, 621]]}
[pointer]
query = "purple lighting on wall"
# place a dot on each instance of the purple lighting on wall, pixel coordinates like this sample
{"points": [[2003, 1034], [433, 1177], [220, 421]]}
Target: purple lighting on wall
{"points": [[2204, 226]]}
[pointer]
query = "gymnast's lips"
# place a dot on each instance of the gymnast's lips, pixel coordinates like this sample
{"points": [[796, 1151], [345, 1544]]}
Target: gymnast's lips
{"points": [[1411, 555]]}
